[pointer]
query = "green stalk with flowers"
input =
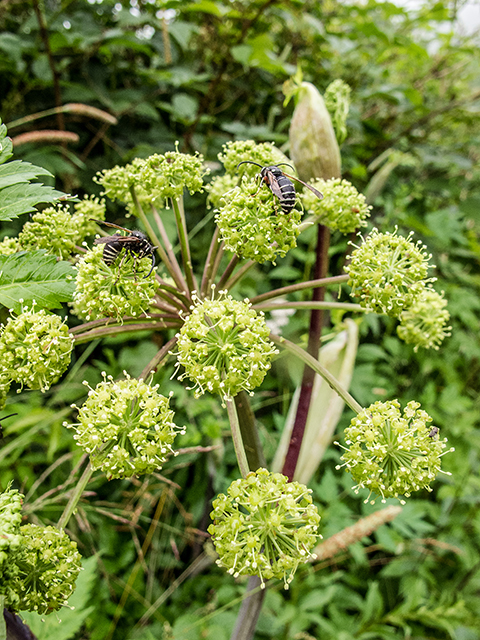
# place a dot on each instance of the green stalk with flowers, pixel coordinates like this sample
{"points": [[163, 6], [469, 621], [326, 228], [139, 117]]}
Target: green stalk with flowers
{"points": [[266, 524]]}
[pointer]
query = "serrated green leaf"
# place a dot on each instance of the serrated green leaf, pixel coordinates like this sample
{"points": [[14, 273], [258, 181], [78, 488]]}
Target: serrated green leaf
{"points": [[35, 276], [19, 171], [68, 621], [22, 198], [6, 145]]}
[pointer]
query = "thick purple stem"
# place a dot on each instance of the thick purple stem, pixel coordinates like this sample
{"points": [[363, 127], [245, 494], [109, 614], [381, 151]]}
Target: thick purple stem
{"points": [[316, 321]]}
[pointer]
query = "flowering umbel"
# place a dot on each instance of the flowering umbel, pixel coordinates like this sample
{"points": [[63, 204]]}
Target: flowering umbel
{"points": [[126, 427], [387, 272], [392, 454], [252, 224], [343, 208], [424, 323], [35, 349], [154, 179], [48, 565], [113, 291], [10, 521], [53, 229], [224, 346], [264, 526]]}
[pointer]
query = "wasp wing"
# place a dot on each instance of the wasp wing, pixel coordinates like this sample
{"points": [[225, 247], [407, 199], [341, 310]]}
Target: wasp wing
{"points": [[110, 224], [273, 184], [312, 189], [125, 240]]}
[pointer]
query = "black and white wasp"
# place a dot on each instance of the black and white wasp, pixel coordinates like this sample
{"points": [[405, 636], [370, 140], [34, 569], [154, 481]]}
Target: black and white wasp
{"points": [[280, 184], [136, 243]]}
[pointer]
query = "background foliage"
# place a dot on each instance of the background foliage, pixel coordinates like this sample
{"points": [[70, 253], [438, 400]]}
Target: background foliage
{"points": [[204, 72]]}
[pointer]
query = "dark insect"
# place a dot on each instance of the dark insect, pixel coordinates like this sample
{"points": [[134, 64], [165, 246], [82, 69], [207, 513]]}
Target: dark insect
{"points": [[280, 184], [136, 244], [433, 432], [1, 430]]}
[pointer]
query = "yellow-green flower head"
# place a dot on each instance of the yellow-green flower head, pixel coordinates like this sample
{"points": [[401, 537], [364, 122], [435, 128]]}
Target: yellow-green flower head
{"points": [[342, 209], [53, 229], [387, 272], [264, 154], [265, 526], [425, 322], [5, 384], [252, 224], [217, 189], [113, 291], [391, 454], [10, 538], [48, 565], [8, 246], [155, 179], [35, 349], [89, 207], [126, 427], [224, 346]]}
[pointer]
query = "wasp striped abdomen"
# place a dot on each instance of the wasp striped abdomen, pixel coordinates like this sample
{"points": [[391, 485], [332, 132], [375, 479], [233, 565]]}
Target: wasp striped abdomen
{"points": [[288, 196]]}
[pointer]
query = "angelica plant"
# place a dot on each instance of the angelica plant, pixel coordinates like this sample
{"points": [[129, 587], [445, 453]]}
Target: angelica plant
{"points": [[265, 524]]}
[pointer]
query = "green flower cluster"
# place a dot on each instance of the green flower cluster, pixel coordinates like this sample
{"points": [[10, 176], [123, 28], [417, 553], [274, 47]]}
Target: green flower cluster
{"points": [[237, 151], [425, 322], [126, 427], [48, 565], [53, 229], [392, 454], [10, 521], [88, 208], [113, 291], [218, 189], [35, 349], [224, 346], [38, 565], [154, 179], [8, 246], [388, 272], [252, 224], [342, 209], [264, 526]]}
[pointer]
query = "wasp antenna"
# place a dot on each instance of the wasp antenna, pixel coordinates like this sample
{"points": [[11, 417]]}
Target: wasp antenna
{"points": [[9, 416], [286, 163], [249, 162]]}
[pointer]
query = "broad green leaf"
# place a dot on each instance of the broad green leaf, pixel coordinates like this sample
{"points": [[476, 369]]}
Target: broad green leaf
{"points": [[6, 146], [19, 171], [35, 276], [21, 198]]}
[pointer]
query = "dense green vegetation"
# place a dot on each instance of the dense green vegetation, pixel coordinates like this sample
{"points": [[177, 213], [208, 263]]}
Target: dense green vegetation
{"points": [[203, 73]]}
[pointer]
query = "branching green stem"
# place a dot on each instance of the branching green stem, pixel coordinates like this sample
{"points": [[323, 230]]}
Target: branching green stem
{"points": [[309, 284], [155, 362], [153, 236], [347, 306], [207, 271], [184, 246], [112, 330], [169, 249], [75, 497], [239, 274], [310, 361], [237, 437], [228, 271]]}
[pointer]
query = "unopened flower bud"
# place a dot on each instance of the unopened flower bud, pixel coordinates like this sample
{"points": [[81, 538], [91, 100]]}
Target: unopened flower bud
{"points": [[313, 145]]}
